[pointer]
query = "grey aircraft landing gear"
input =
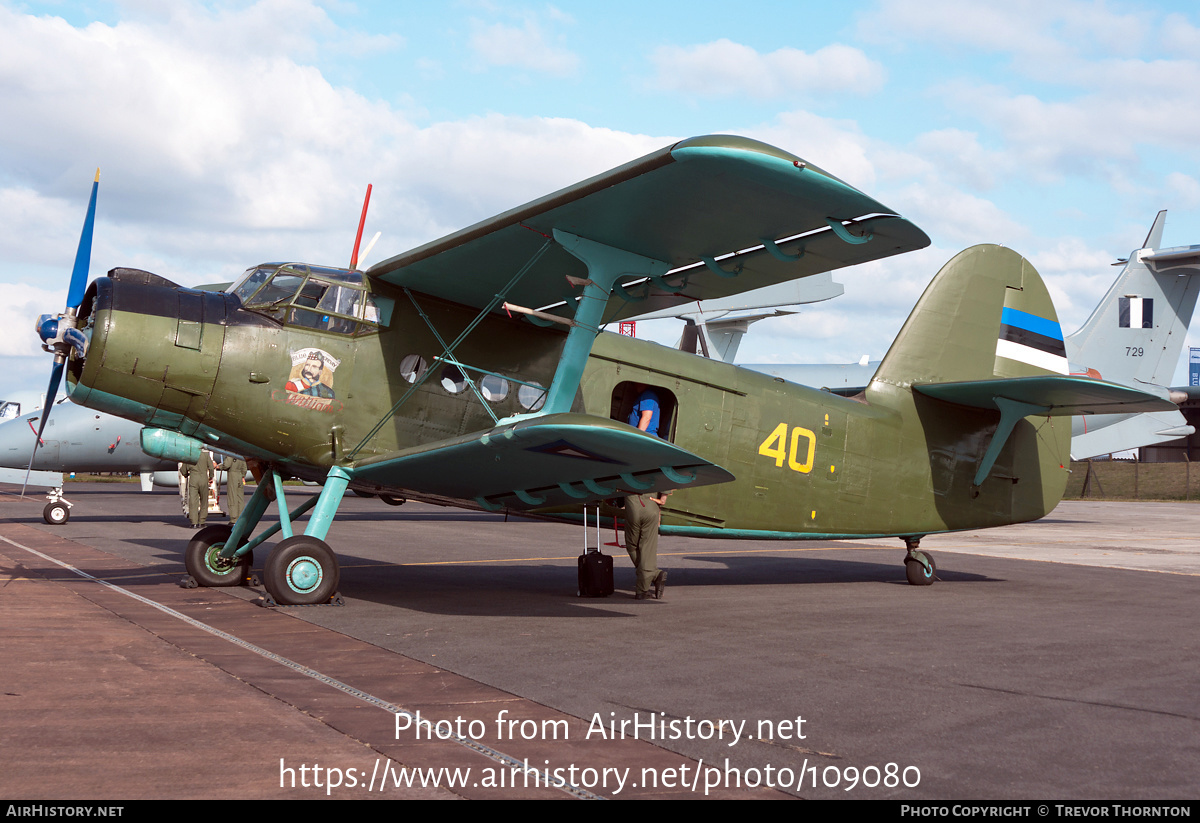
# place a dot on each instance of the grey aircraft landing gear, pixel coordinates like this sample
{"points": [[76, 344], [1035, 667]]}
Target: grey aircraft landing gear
{"points": [[56, 513], [919, 567], [301, 571], [203, 561], [58, 510]]}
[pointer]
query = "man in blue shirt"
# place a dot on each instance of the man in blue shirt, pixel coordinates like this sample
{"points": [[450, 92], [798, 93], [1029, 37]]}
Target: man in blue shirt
{"points": [[646, 411]]}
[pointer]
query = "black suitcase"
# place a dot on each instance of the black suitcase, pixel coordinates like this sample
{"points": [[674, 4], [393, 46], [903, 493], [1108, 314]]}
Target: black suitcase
{"points": [[595, 567]]}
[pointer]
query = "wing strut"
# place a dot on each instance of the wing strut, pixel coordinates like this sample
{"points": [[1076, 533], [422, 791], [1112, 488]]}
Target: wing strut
{"points": [[1011, 412], [605, 266], [448, 354]]}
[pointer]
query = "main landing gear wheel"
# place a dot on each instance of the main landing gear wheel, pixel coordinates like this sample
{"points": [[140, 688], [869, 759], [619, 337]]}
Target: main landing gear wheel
{"points": [[56, 513], [393, 500], [204, 563], [301, 571], [917, 572]]}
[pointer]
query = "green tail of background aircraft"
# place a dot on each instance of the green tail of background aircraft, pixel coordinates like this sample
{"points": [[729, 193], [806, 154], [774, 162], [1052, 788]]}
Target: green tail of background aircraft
{"points": [[471, 371]]}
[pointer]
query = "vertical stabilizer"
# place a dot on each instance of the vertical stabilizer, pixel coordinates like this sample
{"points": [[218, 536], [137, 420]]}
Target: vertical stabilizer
{"points": [[1154, 238], [985, 322], [986, 314], [1135, 336], [1136, 333]]}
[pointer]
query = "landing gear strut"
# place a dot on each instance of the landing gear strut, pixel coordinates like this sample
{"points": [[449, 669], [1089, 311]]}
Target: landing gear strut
{"points": [[58, 510], [301, 570], [919, 567]]}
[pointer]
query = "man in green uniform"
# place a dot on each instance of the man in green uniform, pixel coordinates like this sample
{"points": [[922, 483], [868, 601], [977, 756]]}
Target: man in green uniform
{"points": [[642, 516], [235, 485], [198, 476]]}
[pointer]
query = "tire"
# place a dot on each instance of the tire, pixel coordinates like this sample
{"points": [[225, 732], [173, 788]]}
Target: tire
{"points": [[206, 568], [56, 513], [301, 571], [393, 499], [916, 572]]}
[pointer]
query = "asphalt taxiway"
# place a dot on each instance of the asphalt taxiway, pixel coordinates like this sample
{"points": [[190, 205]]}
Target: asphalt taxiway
{"points": [[1051, 660]]}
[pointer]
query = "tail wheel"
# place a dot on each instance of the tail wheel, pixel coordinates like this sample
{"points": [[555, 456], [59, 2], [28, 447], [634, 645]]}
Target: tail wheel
{"points": [[56, 513], [301, 571], [918, 573], [204, 563]]}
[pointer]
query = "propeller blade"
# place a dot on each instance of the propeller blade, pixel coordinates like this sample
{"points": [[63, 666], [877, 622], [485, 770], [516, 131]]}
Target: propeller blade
{"points": [[83, 256], [55, 379], [51, 393]]}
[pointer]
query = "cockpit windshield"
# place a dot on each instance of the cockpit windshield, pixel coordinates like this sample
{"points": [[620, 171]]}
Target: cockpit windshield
{"points": [[317, 297]]}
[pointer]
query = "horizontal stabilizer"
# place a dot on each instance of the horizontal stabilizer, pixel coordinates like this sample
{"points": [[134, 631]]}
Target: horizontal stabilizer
{"points": [[1054, 396], [551, 460], [1050, 395], [1127, 431]]}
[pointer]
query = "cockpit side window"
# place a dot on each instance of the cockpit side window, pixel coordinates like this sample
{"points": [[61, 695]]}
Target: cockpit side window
{"points": [[252, 281], [315, 297]]}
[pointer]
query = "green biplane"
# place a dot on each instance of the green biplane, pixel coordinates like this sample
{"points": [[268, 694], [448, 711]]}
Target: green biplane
{"points": [[472, 371]]}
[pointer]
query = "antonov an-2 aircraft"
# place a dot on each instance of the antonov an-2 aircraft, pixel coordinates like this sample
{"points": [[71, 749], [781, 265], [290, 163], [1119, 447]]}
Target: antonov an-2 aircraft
{"points": [[471, 371]]}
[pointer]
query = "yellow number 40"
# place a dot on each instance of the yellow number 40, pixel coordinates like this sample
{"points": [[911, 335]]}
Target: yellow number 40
{"points": [[774, 447]]}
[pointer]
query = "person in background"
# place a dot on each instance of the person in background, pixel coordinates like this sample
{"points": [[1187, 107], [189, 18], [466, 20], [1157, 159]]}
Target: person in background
{"points": [[235, 485]]}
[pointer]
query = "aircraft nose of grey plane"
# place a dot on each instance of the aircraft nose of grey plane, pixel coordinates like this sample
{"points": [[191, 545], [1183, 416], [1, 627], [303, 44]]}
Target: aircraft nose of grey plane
{"points": [[16, 442]]}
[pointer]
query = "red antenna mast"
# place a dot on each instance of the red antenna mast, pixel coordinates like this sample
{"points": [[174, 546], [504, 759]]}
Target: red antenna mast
{"points": [[361, 221]]}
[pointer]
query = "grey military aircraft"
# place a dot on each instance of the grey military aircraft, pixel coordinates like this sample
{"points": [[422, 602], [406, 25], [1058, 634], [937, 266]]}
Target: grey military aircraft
{"points": [[715, 328], [76, 439]]}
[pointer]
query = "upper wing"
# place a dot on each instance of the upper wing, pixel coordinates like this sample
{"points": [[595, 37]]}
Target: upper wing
{"points": [[748, 207]]}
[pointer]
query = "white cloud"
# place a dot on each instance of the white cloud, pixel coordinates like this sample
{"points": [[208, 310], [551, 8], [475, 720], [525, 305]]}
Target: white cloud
{"points": [[525, 46], [484, 165], [1036, 34], [1097, 134], [211, 164], [837, 146], [1077, 276], [21, 306], [957, 217], [1179, 36], [1108, 96], [1185, 190], [961, 158], [1000, 26], [724, 68]]}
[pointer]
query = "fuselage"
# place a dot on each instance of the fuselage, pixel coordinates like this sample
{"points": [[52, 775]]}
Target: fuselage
{"points": [[808, 463], [76, 439]]}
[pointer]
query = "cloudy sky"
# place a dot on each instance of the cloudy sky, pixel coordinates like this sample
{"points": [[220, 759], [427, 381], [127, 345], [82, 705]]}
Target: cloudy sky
{"points": [[232, 133]]}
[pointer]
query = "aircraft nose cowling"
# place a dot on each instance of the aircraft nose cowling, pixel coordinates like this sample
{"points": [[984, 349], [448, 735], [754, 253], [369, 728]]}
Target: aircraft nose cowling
{"points": [[155, 349]]}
